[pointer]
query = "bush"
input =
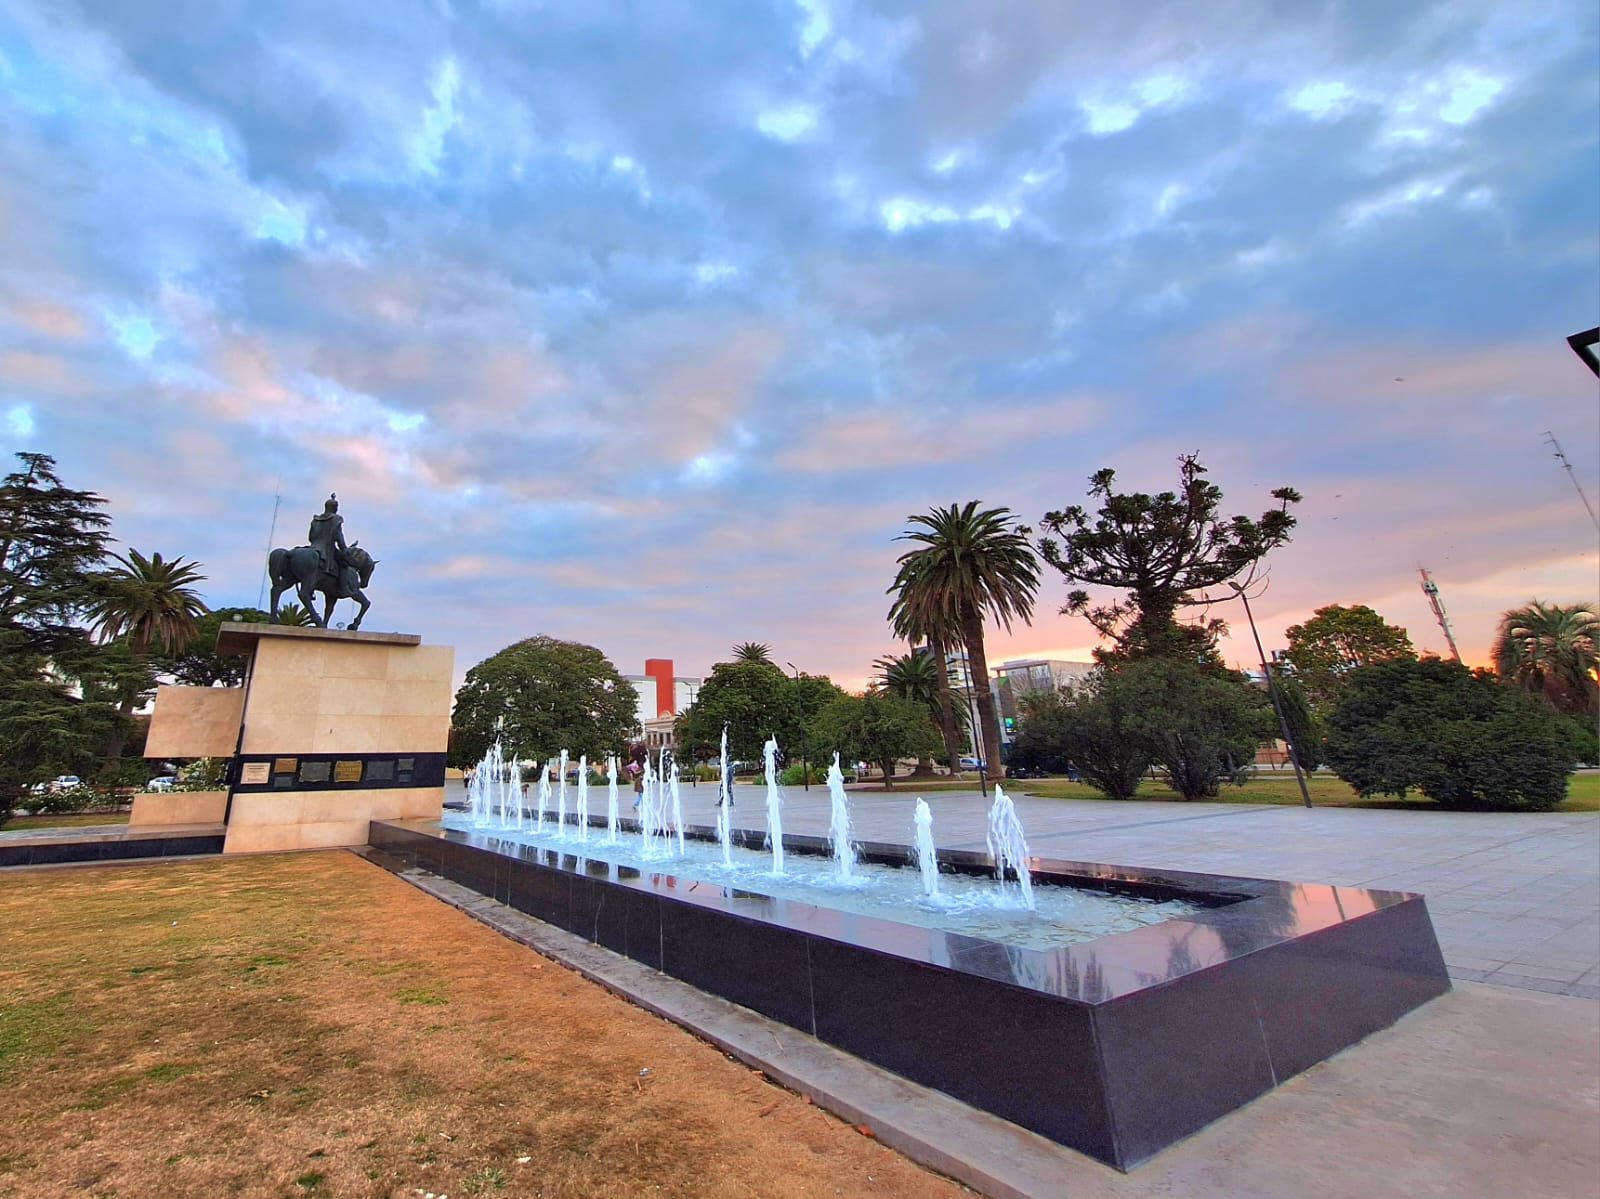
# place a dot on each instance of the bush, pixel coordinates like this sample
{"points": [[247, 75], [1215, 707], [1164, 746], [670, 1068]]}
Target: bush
{"points": [[1202, 726], [66, 803], [1088, 727], [795, 776], [1457, 736]]}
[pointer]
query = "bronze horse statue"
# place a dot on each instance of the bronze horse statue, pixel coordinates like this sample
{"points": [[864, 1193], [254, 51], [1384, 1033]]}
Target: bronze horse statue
{"points": [[301, 568]]}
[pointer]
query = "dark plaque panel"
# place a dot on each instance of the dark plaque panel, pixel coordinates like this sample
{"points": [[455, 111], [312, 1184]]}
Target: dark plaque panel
{"points": [[315, 772], [380, 770]]}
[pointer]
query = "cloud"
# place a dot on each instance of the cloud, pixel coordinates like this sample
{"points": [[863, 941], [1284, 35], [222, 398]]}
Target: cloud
{"points": [[658, 349]]}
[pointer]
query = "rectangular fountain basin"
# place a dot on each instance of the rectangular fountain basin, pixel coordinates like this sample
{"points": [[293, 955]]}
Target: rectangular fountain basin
{"points": [[1116, 1046]]}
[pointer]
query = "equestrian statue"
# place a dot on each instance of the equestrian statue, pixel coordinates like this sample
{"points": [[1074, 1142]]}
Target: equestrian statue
{"points": [[328, 565]]}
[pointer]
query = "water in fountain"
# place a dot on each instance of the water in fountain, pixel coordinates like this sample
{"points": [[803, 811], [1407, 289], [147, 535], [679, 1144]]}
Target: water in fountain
{"points": [[1007, 846], [513, 793], [927, 858], [611, 800], [677, 804], [769, 753], [844, 853], [650, 809], [583, 797], [725, 802], [561, 796], [544, 792]]}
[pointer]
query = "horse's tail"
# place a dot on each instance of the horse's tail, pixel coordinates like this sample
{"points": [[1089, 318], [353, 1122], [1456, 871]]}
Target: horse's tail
{"points": [[278, 564]]}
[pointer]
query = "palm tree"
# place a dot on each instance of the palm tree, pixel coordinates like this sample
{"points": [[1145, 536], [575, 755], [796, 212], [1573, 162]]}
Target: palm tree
{"points": [[907, 624], [149, 599], [1550, 650], [296, 617], [915, 676], [970, 564], [145, 600], [753, 651]]}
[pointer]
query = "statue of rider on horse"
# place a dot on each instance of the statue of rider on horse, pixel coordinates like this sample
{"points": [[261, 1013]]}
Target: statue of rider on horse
{"points": [[328, 565]]}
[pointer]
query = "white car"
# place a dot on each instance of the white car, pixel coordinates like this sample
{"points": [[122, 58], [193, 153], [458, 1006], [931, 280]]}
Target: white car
{"points": [[162, 783], [65, 782]]}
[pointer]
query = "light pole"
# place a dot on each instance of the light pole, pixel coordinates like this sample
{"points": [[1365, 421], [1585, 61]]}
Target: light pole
{"points": [[805, 737], [1272, 690]]}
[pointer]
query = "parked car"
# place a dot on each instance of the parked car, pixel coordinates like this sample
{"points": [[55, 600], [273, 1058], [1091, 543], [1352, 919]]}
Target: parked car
{"points": [[65, 782], [1024, 772], [161, 783], [971, 763]]}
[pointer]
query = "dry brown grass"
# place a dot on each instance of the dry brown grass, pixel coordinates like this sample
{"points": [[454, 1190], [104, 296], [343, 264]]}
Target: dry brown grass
{"points": [[309, 1026]]}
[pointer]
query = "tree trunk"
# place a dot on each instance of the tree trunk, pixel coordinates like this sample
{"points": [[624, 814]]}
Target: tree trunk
{"points": [[978, 673], [947, 707]]}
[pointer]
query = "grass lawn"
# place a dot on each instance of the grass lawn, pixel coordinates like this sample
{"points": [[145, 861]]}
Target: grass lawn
{"points": [[308, 1025], [1271, 787]]}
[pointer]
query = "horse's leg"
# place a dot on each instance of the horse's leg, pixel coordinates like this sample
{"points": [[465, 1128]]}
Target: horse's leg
{"points": [[308, 601], [361, 598], [277, 590], [327, 609]]}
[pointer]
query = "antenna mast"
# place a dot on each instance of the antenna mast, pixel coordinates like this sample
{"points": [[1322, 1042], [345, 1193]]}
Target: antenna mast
{"points": [[1431, 590], [277, 499], [1567, 466]]}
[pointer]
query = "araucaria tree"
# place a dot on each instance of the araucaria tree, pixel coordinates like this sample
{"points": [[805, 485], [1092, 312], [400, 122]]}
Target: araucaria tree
{"points": [[541, 696], [1167, 551], [969, 564]]}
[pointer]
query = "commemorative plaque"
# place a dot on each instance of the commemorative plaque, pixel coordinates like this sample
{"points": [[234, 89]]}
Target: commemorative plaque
{"points": [[347, 771]]}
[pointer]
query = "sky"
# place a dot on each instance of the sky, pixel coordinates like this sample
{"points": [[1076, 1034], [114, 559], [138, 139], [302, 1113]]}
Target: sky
{"points": [[649, 325]]}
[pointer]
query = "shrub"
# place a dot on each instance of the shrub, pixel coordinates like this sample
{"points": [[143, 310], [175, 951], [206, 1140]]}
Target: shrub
{"points": [[1089, 727], [1458, 737], [1202, 726]]}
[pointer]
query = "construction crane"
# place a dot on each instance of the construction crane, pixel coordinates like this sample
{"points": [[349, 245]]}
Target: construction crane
{"points": [[1431, 590]]}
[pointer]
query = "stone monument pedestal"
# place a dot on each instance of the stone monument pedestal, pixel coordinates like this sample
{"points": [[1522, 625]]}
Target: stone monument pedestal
{"points": [[331, 729]]}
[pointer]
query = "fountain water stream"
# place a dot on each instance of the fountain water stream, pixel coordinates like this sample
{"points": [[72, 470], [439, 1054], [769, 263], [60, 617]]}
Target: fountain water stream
{"points": [[611, 800], [844, 853], [927, 856], [583, 797], [1007, 846], [725, 802], [561, 796], [769, 753]]}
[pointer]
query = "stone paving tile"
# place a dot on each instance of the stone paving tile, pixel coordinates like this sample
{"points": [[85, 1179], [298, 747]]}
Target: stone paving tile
{"points": [[1505, 889]]}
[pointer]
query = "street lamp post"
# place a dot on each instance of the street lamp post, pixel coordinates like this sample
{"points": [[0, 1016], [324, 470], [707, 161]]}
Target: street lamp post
{"points": [[1272, 690], [805, 736]]}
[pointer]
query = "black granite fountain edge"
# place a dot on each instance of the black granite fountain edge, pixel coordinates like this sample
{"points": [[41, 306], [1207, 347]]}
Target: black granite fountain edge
{"points": [[1286, 975], [980, 1150]]}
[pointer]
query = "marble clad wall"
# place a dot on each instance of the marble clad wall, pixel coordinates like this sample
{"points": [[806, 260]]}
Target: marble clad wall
{"points": [[178, 807], [195, 722], [328, 696]]}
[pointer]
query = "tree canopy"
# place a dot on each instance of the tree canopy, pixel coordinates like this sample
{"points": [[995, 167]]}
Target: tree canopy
{"points": [[197, 663], [1337, 640], [540, 696], [755, 700], [878, 727], [1167, 551]]}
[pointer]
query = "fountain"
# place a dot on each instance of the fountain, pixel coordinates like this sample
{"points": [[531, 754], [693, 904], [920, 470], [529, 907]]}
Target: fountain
{"points": [[611, 800], [769, 754], [1007, 847], [927, 856], [1115, 1034], [583, 797], [844, 854], [561, 796], [544, 792], [725, 802]]}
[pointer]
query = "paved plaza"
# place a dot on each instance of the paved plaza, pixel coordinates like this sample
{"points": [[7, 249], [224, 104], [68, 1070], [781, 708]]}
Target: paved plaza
{"points": [[1515, 897]]}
